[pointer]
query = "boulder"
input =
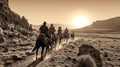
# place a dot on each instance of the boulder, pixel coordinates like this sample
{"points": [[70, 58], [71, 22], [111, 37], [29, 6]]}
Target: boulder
{"points": [[93, 52]]}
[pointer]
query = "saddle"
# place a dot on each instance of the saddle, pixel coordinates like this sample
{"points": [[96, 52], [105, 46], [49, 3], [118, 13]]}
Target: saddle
{"points": [[43, 38]]}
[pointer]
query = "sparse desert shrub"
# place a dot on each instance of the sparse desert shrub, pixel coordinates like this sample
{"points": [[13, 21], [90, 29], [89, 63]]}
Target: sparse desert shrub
{"points": [[23, 31], [105, 54], [86, 61], [85, 49]]}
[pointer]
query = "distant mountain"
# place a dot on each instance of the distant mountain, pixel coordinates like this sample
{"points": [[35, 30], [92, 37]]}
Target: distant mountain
{"points": [[112, 23], [55, 25], [109, 25]]}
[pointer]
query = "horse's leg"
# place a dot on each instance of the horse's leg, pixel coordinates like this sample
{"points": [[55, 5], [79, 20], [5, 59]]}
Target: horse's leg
{"points": [[67, 39], [36, 53], [55, 43], [42, 53], [51, 46], [46, 50], [59, 40], [72, 39], [64, 38]]}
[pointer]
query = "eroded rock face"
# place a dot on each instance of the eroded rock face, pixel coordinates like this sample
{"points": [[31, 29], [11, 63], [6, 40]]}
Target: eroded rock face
{"points": [[9, 17], [16, 36], [93, 52]]}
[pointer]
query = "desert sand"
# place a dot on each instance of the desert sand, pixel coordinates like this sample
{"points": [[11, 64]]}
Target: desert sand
{"points": [[65, 54]]}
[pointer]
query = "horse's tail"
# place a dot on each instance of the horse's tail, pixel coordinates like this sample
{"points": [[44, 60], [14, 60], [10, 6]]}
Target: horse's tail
{"points": [[33, 49], [86, 61], [35, 46]]}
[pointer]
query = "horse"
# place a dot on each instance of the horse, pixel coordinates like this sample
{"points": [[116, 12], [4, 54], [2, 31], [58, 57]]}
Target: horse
{"points": [[53, 39], [72, 36], [66, 36], [59, 37], [44, 42]]}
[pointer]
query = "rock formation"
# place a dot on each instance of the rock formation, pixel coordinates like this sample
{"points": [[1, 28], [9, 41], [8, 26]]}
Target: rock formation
{"points": [[9, 17]]}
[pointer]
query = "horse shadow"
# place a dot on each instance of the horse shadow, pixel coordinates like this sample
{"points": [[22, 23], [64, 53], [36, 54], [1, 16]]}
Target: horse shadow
{"points": [[34, 63]]}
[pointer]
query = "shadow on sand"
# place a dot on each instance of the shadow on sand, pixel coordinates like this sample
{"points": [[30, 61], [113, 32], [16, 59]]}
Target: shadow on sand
{"points": [[34, 63]]}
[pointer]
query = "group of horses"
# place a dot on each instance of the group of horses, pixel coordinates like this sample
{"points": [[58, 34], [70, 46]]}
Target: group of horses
{"points": [[47, 42]]}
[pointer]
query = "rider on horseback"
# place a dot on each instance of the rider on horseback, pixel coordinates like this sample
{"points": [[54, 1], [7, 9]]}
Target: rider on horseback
{"points": [[52, 29], [44, 29], [59, 34], [52, 34], [66, 33], [59, 30], [66, 30]]}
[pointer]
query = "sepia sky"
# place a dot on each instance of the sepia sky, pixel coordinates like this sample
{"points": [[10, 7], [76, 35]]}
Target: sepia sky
{"points": [[64, 11]]}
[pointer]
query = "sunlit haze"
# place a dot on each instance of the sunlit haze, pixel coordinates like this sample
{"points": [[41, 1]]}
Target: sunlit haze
{"points": [[80, 21], [74, 13]]}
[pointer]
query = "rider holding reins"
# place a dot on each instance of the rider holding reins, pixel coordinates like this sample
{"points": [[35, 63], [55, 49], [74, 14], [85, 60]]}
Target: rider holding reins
{"points": [[59, 30]]}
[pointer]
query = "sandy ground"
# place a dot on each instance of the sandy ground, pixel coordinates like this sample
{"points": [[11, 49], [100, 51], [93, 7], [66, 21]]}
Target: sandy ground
{"points": [[107, 44]]}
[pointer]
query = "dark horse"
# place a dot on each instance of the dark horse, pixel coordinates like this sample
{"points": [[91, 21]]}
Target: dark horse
{"points": [[44, 42], [59, 37], [53, 39], [72, 36], [66, 36]]}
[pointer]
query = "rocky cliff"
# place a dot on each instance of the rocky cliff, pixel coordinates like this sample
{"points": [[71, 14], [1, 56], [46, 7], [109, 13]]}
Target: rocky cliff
{"points": [[16, 36], [7, 17]]}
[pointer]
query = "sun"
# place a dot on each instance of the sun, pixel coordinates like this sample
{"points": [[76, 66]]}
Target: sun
{"points": [[80, 21]]}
